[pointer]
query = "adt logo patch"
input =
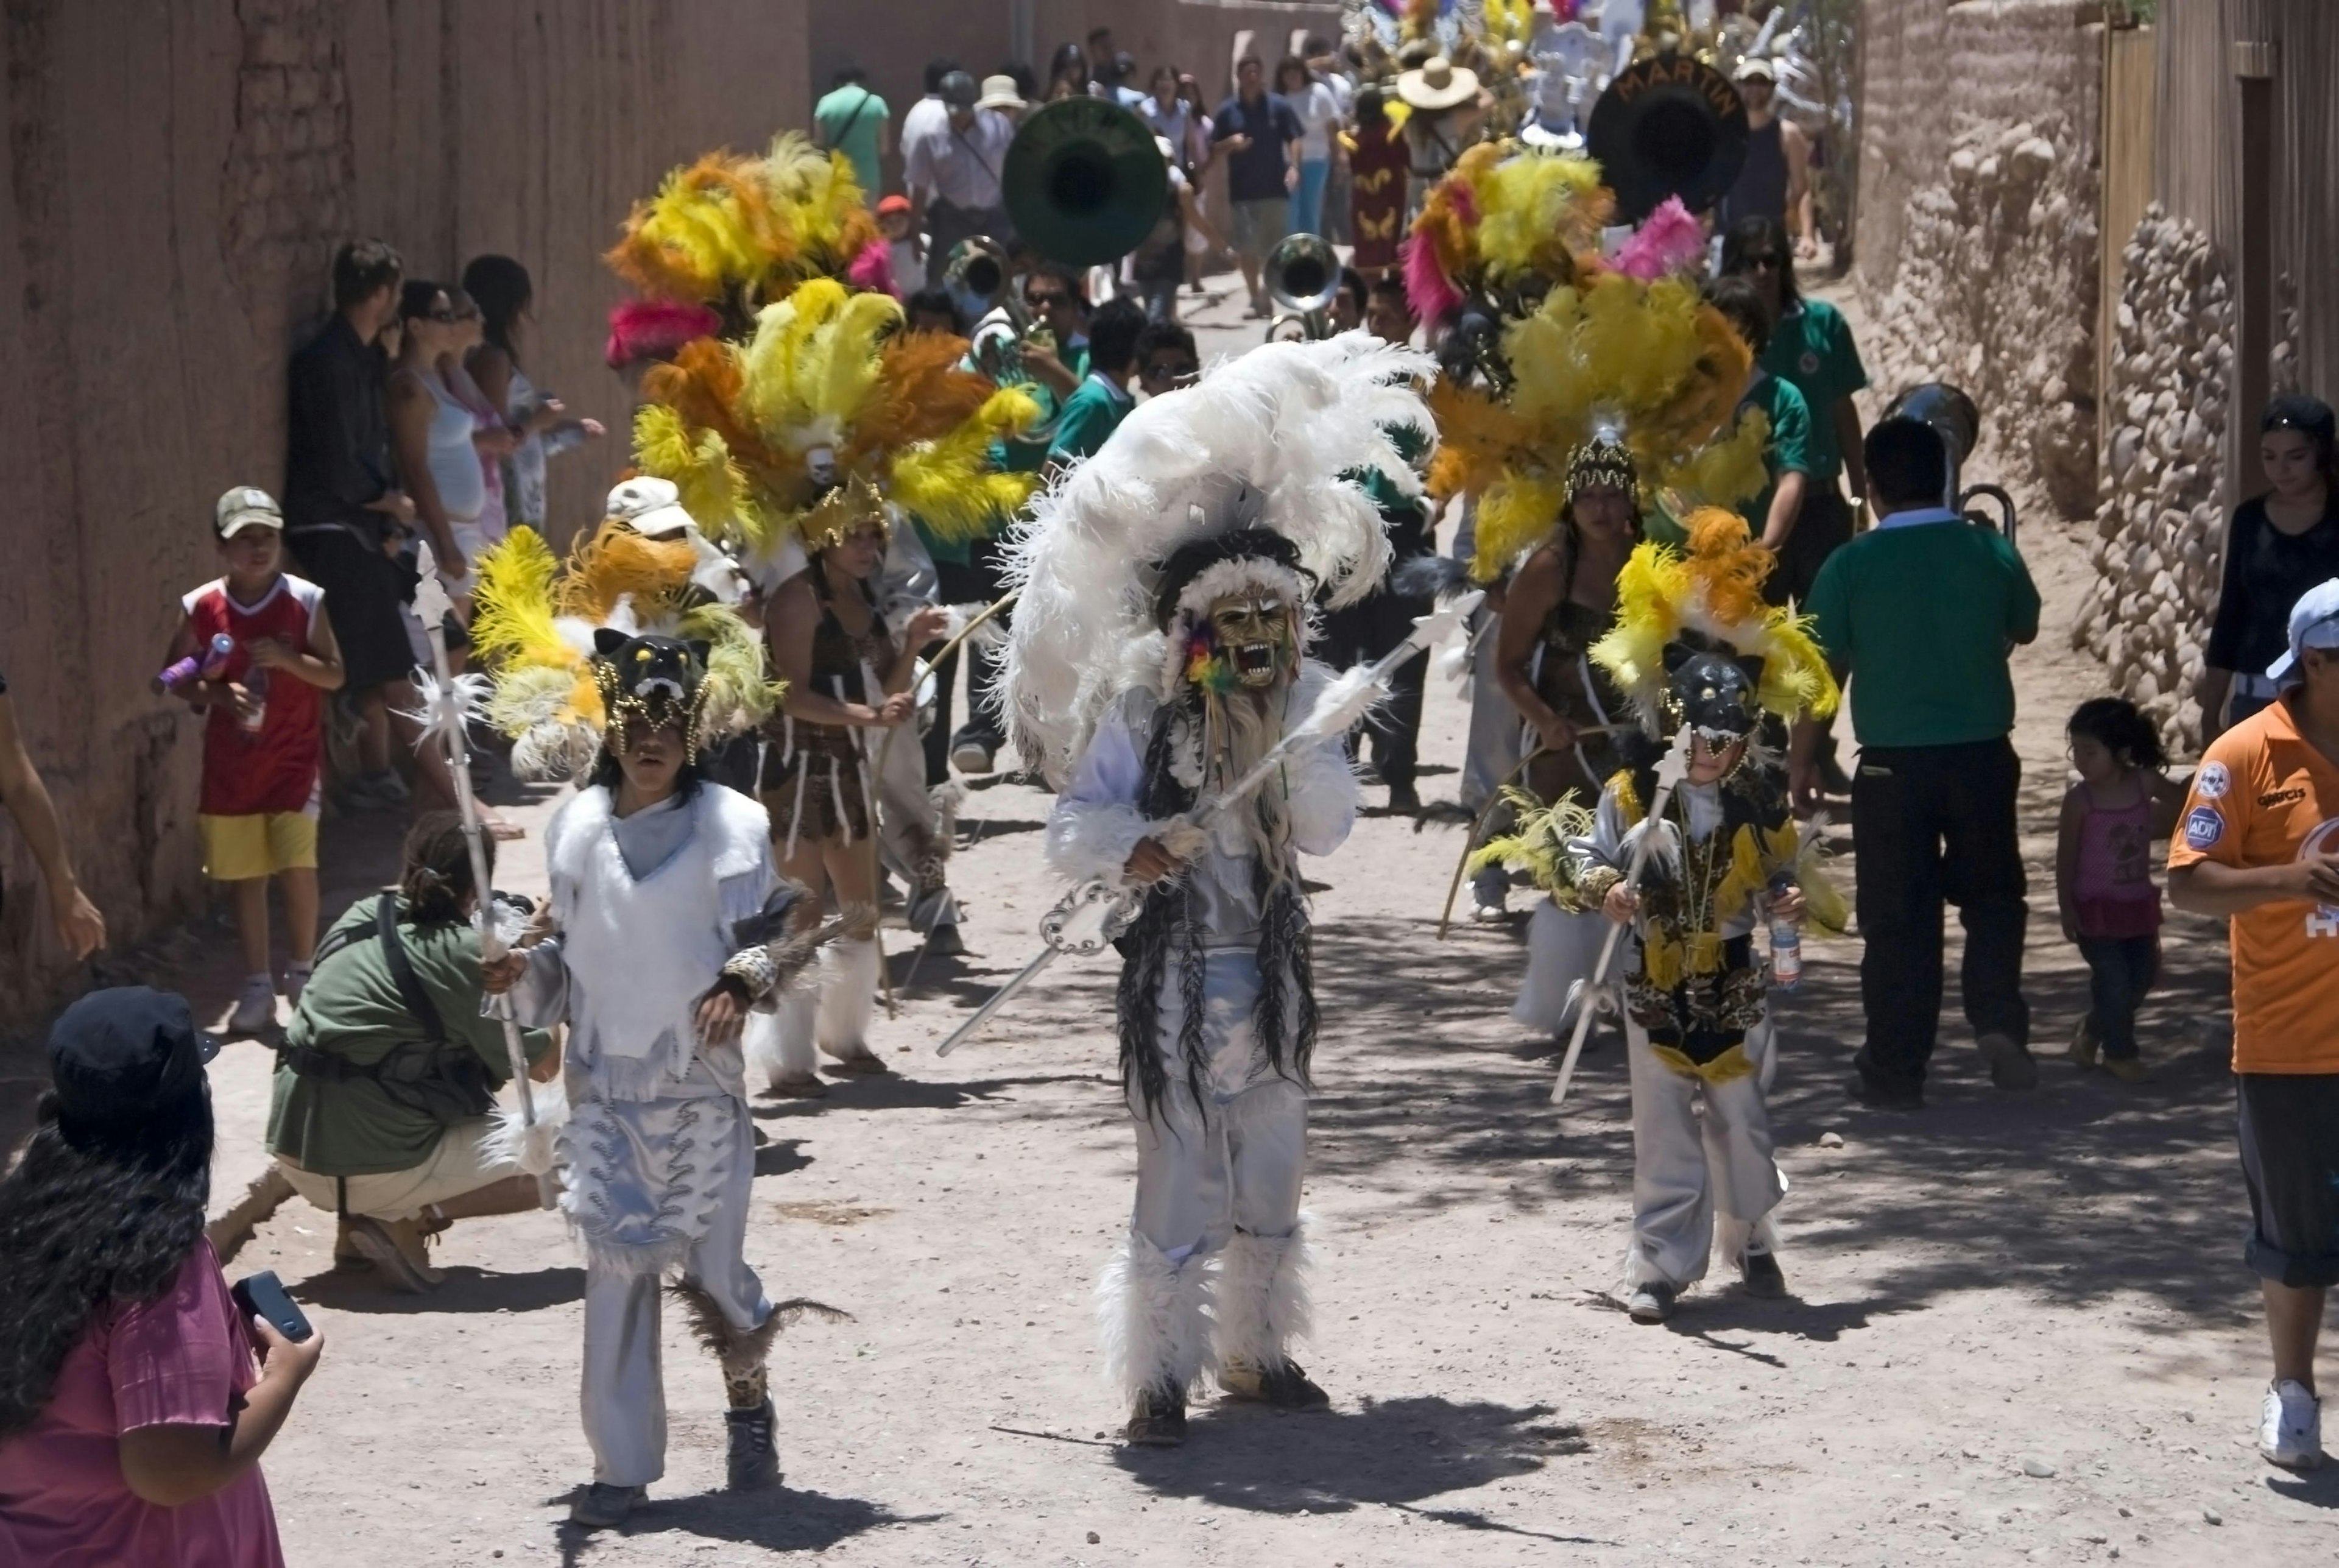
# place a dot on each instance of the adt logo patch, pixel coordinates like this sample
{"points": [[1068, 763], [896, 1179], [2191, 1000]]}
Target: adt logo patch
{"points": [[2203, 827]]}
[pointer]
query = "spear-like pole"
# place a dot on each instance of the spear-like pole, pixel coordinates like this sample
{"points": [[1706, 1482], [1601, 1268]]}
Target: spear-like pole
{"points": [[449, 717]]}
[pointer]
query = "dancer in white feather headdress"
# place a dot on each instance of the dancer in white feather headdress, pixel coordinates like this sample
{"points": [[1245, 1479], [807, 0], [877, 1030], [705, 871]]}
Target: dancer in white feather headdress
{"points": [[1157, 655]]}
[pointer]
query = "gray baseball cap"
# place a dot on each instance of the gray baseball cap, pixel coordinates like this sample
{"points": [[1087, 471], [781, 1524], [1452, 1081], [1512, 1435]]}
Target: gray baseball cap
{"points": [[246, 507]]}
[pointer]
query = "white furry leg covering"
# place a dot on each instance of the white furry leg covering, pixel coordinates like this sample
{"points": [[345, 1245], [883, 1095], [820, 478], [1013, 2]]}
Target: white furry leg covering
{"points": [[1262, 1298], [848, 996], [1150, 1316], [779, 1043]]}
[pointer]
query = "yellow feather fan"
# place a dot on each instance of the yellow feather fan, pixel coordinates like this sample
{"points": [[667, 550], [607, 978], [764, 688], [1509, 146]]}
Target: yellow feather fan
{"points": [[732, 232], [1715, 591], [1539, 843], [1536, 211]]}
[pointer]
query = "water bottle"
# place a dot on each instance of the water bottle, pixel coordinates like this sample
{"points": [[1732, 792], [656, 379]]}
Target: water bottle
{"points": [[1786, 955], [255, 681], [205, 665]]}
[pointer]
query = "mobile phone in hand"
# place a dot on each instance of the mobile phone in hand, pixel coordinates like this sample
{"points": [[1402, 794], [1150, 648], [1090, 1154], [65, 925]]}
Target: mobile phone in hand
{"points": [[262, 1296]]}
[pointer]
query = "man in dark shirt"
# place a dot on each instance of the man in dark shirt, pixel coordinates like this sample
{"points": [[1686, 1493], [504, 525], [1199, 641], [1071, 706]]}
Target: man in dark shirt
{"points": [[342, 518], [1261, 134]]}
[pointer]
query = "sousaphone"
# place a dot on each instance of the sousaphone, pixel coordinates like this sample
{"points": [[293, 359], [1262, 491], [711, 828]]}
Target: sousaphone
{"points": [[1670, 125], [1083, 182]]}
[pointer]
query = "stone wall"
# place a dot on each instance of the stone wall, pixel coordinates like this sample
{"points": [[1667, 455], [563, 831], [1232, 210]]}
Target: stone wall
{"points": [[2159, 535], [1977, 243], [178, 175]]}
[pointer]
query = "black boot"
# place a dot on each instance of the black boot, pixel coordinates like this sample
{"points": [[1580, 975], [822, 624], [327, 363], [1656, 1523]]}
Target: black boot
{"points": [[755, 1462], [1159, 1418]]}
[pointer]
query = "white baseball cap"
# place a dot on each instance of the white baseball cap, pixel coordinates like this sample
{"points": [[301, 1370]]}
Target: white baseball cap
{"points": [[245, 506], [2313, 624], [651, 507]]}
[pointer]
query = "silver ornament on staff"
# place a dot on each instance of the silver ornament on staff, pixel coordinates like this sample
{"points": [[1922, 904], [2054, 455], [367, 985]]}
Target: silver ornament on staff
{"points": [[1097, 911], [1582, 994], [450, 703]]}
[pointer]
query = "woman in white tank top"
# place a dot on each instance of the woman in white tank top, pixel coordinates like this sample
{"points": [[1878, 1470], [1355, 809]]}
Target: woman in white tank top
{"points": [[431, 437]]}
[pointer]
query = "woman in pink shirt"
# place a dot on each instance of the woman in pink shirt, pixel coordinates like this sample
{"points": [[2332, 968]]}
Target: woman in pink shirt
{"points": [[131, 1412]]}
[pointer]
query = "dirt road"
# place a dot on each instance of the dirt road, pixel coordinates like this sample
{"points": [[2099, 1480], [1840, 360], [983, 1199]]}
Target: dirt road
{"points": [[2020, 1332]]}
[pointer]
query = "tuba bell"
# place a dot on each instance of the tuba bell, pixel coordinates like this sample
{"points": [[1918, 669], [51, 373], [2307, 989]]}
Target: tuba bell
{"points": [[1670, 125], [1302, 276], [1083, 182], [1952, 415]]}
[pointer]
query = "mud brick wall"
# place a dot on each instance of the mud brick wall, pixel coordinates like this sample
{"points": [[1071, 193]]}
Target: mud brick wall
{"points": [[1976, 246], [179, 173]]}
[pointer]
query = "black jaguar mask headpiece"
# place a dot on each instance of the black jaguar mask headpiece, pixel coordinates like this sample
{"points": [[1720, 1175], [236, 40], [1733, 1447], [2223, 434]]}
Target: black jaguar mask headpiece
{"points": [[660, 681]]}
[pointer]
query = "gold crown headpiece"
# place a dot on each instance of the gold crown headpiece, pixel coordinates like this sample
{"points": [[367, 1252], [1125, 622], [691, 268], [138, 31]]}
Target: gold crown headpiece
{"points": [[851, 503]]}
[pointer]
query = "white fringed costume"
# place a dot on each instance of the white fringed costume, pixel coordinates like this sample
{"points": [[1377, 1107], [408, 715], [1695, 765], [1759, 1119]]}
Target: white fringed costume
{"points": [[1229, 492], [658, 1153]]}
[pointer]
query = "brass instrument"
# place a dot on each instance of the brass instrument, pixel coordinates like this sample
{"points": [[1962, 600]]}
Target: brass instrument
{"points": [[1302, 276], [1953, 417], [978, 269], [1083, 182], [1670, 125]]}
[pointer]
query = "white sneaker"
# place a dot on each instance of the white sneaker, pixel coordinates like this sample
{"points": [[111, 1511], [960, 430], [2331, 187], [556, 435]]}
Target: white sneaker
{"points": [[2290, 1428], [255, 1010], [1488, 913], [971, 757]]}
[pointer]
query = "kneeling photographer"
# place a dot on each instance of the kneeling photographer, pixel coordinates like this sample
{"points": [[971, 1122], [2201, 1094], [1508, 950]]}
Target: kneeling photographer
{"points": [[386, 1079]]}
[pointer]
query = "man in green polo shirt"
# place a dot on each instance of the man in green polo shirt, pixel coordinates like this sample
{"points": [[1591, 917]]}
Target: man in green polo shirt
{"points": [[1810, 349], [1776, 513], [852, 120], [1103, 399], [1921, 612]]}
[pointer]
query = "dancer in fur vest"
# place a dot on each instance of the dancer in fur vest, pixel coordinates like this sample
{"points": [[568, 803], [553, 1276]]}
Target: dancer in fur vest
{"points": [[669, 923], [1158, 655]]}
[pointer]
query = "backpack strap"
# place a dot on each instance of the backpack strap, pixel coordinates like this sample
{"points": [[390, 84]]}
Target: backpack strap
{"points": [[402, 970]]}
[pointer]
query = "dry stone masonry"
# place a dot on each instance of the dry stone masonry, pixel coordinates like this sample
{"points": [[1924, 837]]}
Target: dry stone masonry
{"points": [[2159, 534]]}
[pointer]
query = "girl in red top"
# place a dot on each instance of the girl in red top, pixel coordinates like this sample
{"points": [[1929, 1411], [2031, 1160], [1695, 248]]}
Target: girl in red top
{"points": [[263, 743], [2122, 806]]}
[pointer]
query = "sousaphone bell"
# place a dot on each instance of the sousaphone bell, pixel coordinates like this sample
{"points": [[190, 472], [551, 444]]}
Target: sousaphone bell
{"points": [[1083, 182], [1670, 125], [1952, 415]]}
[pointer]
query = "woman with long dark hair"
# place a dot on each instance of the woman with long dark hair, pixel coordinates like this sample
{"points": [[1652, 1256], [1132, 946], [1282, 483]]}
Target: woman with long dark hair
{"points": [[132, 1417], [1560, 602], [2282, 544], [506, 297]]}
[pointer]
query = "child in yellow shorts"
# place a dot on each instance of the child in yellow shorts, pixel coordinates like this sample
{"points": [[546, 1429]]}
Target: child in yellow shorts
{"points": [[262, 655]]}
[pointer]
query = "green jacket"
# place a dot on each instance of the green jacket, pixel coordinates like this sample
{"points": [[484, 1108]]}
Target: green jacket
{"points": [[351, 1010]]}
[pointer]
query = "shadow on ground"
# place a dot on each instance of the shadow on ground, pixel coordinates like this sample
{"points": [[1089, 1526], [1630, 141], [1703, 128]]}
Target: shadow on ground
{"points": [[784, 1520], [2078, 1189], [1395, 1453]]}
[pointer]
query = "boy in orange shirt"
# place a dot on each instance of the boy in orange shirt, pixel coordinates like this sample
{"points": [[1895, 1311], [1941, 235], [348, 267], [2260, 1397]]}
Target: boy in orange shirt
{"points": [[2259, 843]]}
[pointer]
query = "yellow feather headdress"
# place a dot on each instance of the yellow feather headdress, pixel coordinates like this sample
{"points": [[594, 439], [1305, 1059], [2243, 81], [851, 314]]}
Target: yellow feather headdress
{"points": [[1713, 592], [533, 623], [828, 393]]}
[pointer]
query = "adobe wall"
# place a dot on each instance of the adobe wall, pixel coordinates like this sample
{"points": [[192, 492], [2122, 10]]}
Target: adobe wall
{"points": [[178, 177], [1977, 244]]}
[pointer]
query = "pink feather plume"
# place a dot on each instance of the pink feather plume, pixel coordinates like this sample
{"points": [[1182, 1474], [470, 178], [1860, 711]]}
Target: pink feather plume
{"points": [[1667, 241], [1426, 285], [653, 329], [873, 270]]}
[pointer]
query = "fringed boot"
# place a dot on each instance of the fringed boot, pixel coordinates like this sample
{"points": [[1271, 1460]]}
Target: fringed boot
{"points": [[1262, 1306], [1150, 1312]]}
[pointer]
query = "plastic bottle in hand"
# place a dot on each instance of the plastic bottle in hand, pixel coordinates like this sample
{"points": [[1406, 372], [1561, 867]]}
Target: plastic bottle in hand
{"points": [[1786, 955], [255, 681], [203, 666]]}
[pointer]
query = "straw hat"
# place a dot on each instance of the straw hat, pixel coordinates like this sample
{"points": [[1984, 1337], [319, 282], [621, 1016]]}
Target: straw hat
{"points": [[1438, 84]]}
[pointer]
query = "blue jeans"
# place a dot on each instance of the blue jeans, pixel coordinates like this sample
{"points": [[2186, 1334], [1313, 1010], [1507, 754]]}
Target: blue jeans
{"points": [[1308, 201], [2120, 972]]}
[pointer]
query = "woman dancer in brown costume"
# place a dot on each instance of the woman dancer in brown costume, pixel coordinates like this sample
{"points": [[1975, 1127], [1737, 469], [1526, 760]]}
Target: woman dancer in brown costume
{"points": [[848, 683]]}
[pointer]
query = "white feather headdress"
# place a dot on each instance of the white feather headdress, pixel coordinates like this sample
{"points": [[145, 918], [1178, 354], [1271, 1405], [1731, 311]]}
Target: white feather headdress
{"points": [[1275, 440]]}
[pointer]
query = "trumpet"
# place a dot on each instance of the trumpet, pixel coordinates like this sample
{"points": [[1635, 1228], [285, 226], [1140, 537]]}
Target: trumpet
{"points": [[978, 271], [1303, 278]]}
